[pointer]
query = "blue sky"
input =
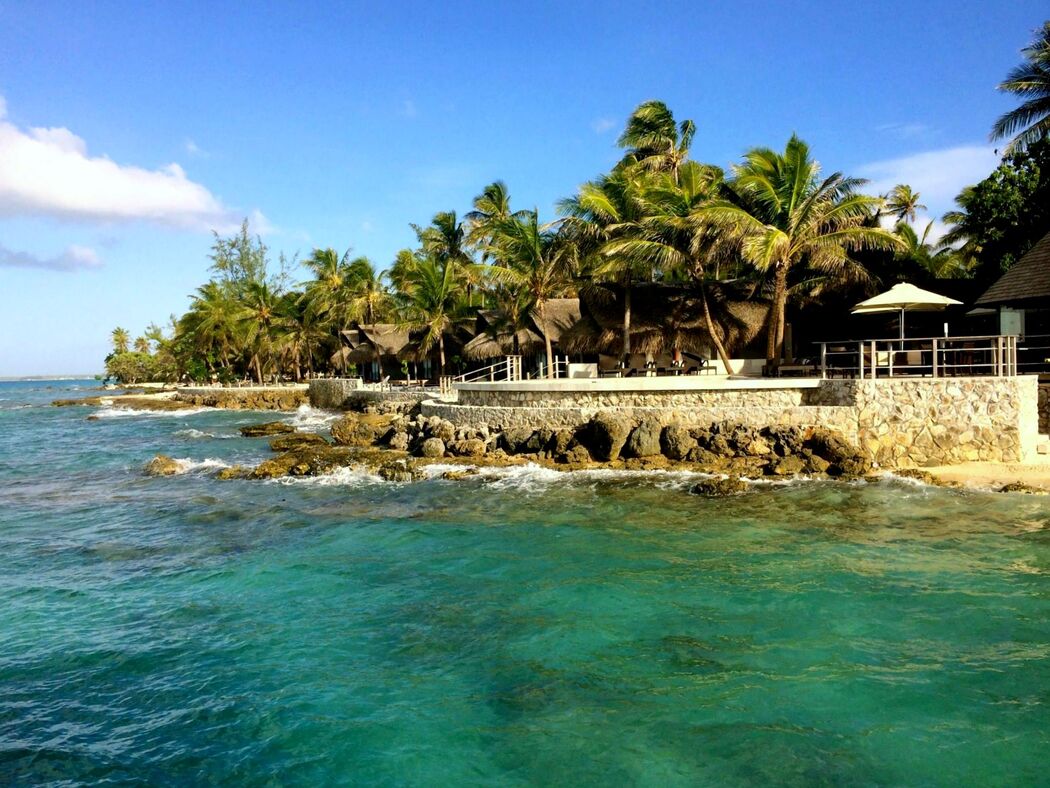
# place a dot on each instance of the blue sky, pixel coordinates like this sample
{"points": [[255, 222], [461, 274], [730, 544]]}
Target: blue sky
{"points": [[127, 131]]}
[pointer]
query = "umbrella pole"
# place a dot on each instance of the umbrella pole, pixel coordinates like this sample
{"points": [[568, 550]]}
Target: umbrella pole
{"points": [[902, 328]]}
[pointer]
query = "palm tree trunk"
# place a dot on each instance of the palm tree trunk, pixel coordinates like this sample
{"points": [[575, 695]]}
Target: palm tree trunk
{"points": [[719, 347], [258, 368], [541, 305], [441, 352], [627, 320], [775, 324]]}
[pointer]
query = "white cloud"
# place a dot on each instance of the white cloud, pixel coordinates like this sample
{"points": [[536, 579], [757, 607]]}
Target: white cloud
{"points": [[74, 258], [905, 131], [937, 175], [193, 149], [602, 125], [48, 172]]}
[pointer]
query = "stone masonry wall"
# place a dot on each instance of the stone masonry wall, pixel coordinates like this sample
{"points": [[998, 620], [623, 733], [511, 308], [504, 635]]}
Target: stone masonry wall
{"points": [[1044, 409], [774, 397], [898, 423]]}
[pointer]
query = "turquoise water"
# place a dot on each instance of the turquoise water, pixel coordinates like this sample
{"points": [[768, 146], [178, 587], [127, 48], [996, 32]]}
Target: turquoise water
{"points": [[520, 628]]}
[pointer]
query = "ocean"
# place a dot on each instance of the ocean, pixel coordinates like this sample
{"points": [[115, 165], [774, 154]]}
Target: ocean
{"points": [[515, 628]]}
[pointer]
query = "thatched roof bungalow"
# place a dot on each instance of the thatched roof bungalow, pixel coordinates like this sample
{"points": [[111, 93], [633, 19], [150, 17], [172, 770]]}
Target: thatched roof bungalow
{"points": [[496, 338]]}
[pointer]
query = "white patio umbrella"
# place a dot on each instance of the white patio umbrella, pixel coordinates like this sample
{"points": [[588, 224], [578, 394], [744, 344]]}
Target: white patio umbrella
{"points": [[904, 297]]}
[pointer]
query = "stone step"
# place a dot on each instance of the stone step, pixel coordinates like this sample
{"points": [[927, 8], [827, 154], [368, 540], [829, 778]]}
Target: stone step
{"points": [[1042, 446]]}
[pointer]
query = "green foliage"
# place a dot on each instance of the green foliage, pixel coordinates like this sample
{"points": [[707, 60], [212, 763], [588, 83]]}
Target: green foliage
{"points": [[1002, 217], [131, 367], [1030, 122]]}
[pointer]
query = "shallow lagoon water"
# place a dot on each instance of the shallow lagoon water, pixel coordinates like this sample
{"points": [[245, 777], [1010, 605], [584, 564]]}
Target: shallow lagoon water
{"points": [[523, 627]]}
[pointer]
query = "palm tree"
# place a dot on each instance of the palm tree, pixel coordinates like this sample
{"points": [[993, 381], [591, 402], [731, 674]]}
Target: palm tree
{"points": [[903, 202], [257, 315], [782, 217], [491, 207], [603, 211], [142, 345], [1029, 81], [534, 265], [210, 325], [327, 294], [941, 262], [432, 303], [653, 139], [445, 240], [668, 236], [121, 338], [370, 301]]}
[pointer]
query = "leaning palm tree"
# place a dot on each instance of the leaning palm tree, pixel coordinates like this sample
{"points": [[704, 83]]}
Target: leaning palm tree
{"points": [[534, 265], [433, 303], [668, 237], [257, 316], [1029, 81], [654, 140], [902, 202], [782, 217]]}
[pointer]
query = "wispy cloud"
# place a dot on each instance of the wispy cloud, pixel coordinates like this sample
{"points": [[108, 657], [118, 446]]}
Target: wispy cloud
{"points": [[906, 131], [48, 172], [195, 150], [74, 258], [938, 175], [602, 125]]}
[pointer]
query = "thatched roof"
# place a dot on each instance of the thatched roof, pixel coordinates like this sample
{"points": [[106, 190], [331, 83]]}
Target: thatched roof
{"points": [[495, 338], [1026, 281], [663, 317]]}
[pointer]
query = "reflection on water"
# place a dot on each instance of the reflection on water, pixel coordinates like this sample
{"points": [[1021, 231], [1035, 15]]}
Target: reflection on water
{"points": [[521, 626]]}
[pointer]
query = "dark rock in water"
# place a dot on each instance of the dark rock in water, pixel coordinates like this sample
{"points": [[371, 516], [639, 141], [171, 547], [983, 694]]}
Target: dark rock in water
{"points": [[460, 474], [307, 461], [267, 429], [676, 442], [539, 441], [1021, 487], [297, 440], [716, 488], [513, 440], [469, 447], [235, 472], [432, 448], [360, 429], [400, 471], [576, 455], [814, 464], [607, 434], [707, 459], [644, 440], [718, 444], [845, 460], [561, 441], [786, 440], [92, 418], [788, 466], [162, 465]]}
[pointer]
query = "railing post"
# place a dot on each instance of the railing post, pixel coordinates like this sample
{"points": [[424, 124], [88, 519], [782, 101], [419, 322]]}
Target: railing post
{"points": [[935, 357], [874, 360], [860, 359], [823, 360], [889, 357]]}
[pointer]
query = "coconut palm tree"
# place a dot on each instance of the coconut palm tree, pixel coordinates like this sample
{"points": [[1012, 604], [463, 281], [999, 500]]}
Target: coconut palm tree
{"points": [[121, 338], [432, 303], [328, 293], [940, 261], [257, 316], [534, 264], [903, 202], [654, 140], [783, 217], [142, 345], [603, 211], [668, 237], [445, 240], [1029, 81], [370, 301], [210, 325], [491, 207]]}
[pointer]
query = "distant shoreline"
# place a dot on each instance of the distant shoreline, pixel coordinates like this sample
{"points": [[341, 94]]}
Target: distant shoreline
{"points": [[48, 378]]}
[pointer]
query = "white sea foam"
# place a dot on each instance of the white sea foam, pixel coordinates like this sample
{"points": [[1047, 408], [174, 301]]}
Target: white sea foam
{"points": [[110, 412], [355, 476], [200, 434], [187, 465], [307, 418]]}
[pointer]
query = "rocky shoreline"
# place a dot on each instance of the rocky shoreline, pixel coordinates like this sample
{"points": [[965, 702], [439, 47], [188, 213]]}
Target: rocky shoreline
{"points": [[226, 399]]}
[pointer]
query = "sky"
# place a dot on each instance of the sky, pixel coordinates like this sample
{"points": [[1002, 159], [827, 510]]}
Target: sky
{"points": [[129, 132]]}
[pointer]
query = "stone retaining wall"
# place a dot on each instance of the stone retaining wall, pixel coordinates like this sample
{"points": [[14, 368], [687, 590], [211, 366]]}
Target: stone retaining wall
{"points": [[1044, 409], [768, 397], [898, 423], [337, 393]]}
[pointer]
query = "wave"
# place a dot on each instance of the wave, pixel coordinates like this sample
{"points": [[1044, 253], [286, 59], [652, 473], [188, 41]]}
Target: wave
{"points": [[111, 412], [186, 465], [200, 434], [354, 476], [307, 418]]}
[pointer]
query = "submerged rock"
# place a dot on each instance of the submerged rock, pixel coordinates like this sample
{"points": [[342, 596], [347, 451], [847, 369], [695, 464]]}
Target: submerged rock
{"points": [[400, 471], [307, 461], [1021, 487], [162, 465], [717, 488], [266, 429], [234, 472], [297, 440]]}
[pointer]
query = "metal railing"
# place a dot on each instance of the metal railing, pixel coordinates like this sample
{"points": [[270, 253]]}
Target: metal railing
{"points": [[937, 357], [559, 369], [509, 369]]}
